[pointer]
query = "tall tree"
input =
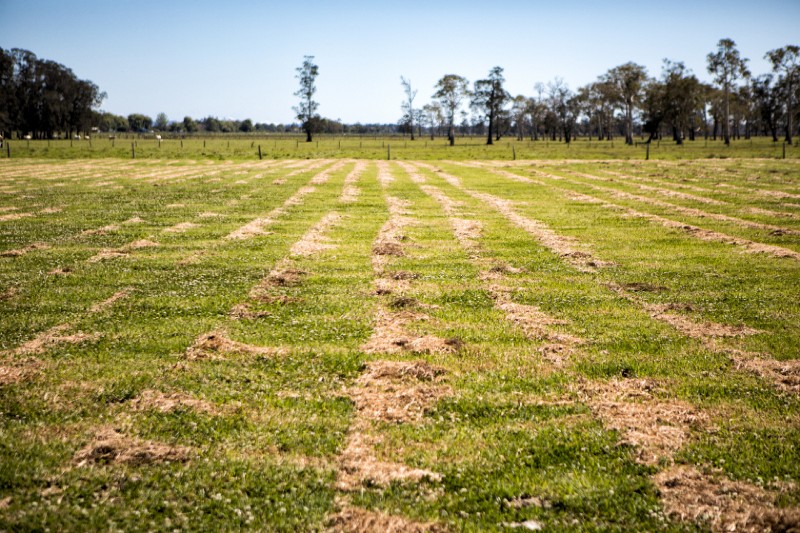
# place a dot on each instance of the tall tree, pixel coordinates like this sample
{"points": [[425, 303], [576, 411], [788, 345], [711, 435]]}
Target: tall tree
{"points": [[628, 81], [767, 104], [786, 63], [489, 97], [451, 91], [139, 122], [682, 98], [307, 108], [409, 115], [727, 66], [162, 122]]}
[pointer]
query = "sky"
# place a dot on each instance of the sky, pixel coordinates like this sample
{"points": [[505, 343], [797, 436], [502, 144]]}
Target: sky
{"points": [[237, 58]]}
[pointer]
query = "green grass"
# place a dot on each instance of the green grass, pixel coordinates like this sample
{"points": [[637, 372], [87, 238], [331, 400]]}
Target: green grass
{"points": [[264, 454], [217, 148]]}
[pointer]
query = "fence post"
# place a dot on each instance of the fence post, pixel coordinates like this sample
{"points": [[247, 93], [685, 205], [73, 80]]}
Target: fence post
{"points": [[647, 157], [8, 149], [784, 149], [388, 152], [259, 152], [133, 150], [514, 152]]}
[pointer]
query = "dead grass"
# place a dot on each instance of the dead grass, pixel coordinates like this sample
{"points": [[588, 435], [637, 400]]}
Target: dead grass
{"points": [[696, 330], [217, 345], [165, 403], [22, 251], [722, 504], [244, 312], [315, 241], [15, 370], [181, 227], [356, 520], [111, 300], [111, 447], [656, 428], [52, 337], [393, 392], [783, 374]]}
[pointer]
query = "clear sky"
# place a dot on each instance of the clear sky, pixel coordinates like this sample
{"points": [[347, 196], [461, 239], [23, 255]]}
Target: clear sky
{"points": [[237, 58]]}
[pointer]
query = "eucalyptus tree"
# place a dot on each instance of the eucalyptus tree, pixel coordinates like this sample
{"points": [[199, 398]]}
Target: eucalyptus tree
{"points": [[766, 100], [306, 110], [451, 91], [727, 66], [628, 83], [682, 99], [520, 113], [564, 107], [489, 97], [409, 115], [433, 116], [786, 63]]}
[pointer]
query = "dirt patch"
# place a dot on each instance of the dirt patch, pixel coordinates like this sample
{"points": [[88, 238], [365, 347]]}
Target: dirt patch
{"points": [[61, 271], [134, 220], [181, 227], [175, 206], [216, 346], [315, 241], [357, 520], [722, 504], [110, 447], [209, 214], [165, 403], [22, 251], [784, 374], [279, 181], [656, 428]]}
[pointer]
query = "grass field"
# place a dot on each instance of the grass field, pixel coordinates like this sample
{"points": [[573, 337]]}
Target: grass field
{"points": [[245, 147], [363, 345]]}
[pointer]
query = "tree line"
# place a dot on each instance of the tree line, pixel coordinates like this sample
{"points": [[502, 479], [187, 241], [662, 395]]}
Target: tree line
{"points": [[624, 101], [42, 97]]}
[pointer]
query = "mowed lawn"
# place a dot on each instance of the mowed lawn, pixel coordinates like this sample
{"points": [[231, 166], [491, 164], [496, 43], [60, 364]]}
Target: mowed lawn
{"points": [[352, 345]]}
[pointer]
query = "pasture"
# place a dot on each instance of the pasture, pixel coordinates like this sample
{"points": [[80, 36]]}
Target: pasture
{"points": [[287, 146], [350, 344]]}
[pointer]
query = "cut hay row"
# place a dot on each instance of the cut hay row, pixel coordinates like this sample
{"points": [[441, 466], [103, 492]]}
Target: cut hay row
{"points": [[693, 231], [258, 226], [657, 429], [683, 210]]}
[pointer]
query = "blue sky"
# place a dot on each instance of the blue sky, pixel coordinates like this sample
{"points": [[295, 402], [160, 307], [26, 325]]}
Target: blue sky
{"points": [[236, 59]]}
